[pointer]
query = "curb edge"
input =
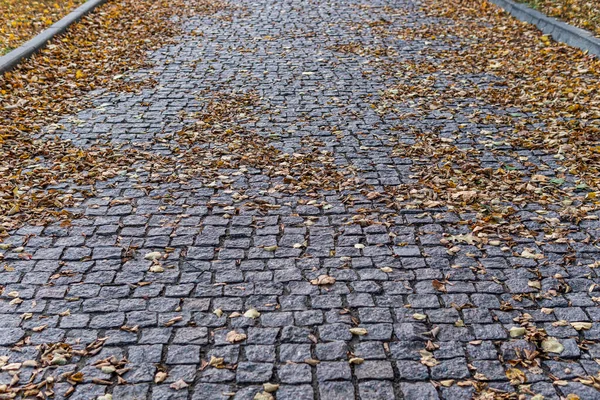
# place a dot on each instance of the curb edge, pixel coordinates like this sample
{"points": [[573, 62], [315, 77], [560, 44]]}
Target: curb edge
{"points": [[560, 31], [32, 46]]}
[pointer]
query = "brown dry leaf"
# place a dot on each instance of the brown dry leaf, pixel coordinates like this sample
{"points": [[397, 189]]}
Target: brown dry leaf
{"points": [[469, 239], [252, 313], [552, 345], [480, 377], [323, 280], [439, 286], [453, 250], [517, 331], [173, 320], [270, 387], [516, 376], [539, 178], [160, 377], [11, 367], [235, 337], [534, 284], [39, 328], [358, 331], [152, 256], [157, 269], [427, 358], [218, 312], [467, 196], [528, 253], [263, 396], [581, 326], [99, 381], [109, 369], [77, 377], [178, 385], [217, 362]]}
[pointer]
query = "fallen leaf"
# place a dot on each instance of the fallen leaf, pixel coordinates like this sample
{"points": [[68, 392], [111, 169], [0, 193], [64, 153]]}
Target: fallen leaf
{"points": [[323, 280], [252, 313], [77, 377], [517, 331], [109, 369], [270, 387], [581, 325], [552, 345], [358, 331], [217, 362], [160, 377], [427, 358], [263, 396], [516, 376], [528, 253], [439, 286], [11, 367], [155, 255], [419, 317], [156, 269], [534, 284], [235, 337], [178, 385]]}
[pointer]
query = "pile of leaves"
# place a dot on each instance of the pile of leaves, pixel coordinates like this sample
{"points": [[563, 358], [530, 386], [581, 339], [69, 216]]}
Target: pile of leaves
{"points": [[42, 371], [555, 90], [582, 13], [21, 20], [96, 53], [215, 147], [219, 148]]}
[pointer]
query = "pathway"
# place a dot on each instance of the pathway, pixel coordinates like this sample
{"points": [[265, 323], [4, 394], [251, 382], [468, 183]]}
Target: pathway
{"points": [[281, 249]]}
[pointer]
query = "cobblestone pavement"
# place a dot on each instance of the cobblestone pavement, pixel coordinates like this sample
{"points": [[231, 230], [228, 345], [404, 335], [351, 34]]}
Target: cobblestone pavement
{"points": [[155, 277]]}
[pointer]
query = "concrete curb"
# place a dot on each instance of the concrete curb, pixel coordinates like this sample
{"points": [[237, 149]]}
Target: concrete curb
{"points": [[27, 49], [560, 31]]}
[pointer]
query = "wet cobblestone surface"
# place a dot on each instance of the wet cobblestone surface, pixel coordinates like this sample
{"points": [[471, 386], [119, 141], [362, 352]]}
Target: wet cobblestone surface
{"points": [[163, 273]]}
